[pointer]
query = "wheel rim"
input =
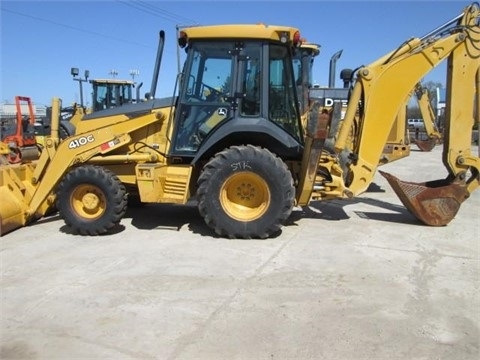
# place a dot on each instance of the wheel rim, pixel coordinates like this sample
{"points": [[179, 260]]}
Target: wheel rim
{"points": [[245, 196], [88, 201]]}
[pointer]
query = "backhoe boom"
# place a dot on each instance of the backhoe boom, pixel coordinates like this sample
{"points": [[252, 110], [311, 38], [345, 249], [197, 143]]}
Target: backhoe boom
{"points": [[371, 114]]}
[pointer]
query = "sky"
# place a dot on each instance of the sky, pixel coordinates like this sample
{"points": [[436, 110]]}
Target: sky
{"points": [[42, 40]]}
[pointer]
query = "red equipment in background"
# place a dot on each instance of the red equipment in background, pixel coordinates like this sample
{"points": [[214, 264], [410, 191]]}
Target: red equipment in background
{"points": [[20, 135]]}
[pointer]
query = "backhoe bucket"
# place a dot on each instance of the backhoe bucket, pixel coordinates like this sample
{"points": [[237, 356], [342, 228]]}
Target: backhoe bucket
{"points": [[434, 203], [426, 145]]}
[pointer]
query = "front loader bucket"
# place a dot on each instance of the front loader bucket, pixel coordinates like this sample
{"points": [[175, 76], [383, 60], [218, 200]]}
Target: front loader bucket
{"points": [[11, 214], [12, 205], [16, 190], [426, 145], [434, 203]]}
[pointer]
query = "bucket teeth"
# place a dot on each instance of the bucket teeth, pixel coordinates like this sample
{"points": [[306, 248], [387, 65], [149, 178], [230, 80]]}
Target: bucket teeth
{"points": [[434, 203]]}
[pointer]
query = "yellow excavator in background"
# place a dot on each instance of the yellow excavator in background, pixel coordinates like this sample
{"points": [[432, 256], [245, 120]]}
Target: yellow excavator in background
{"points": [[106, 94], [303, 61], [432, 134], [233, 140]]}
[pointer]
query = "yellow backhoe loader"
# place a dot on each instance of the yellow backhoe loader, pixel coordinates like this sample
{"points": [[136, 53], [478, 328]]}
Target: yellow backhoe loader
{"points": [[106, 94], [432, 134], [303, 61], [232, 138]]}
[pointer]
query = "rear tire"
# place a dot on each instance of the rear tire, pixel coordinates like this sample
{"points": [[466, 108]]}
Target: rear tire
{"points": [[245, 192], [91, 200]]}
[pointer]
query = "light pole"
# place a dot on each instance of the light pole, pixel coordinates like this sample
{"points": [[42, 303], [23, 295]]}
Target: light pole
{"points": [[75, 72], [133, 73]]}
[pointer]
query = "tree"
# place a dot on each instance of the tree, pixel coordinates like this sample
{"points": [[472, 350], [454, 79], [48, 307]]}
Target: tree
{"points": [[431, 87]]}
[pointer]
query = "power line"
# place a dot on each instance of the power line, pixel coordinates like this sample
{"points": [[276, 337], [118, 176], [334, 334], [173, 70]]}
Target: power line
{"points": [[156, 11], [75, 28], [181, 18]]}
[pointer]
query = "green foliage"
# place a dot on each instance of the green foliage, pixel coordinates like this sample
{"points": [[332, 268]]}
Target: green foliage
{"points": [[413, 112], [431, 87]]}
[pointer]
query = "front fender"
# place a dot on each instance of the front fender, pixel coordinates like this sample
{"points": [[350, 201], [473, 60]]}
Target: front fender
{"points": [[258, 132]]}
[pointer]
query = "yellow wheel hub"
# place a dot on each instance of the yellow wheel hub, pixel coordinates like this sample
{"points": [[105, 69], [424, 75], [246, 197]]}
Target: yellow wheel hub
{"points": [[88, 201], [245, 196]]}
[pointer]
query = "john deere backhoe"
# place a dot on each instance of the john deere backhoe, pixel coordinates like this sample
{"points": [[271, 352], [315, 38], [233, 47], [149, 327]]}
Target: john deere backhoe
{"points": [[432, 134], [106, 94], [232, 139]]}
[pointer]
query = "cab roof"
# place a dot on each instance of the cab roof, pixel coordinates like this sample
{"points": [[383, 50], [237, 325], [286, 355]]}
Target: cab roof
{"points": [[111, 81], [240, 31]]}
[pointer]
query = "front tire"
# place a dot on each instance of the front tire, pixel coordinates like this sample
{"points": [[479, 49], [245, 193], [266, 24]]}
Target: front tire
{"points": [[91, 200], [245, 192]]}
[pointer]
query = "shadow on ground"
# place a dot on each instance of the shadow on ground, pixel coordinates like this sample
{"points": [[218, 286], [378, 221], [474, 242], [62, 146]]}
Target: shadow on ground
{"points": [[334, 210], [175, 217], [169, 217]]}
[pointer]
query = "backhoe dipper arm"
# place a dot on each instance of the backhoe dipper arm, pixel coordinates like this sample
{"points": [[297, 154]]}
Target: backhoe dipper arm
{"points": [[462, 88], [385, 85]]}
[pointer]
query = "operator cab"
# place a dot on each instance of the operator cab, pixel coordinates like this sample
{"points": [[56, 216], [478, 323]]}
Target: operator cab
{"points": [[111, 93], [248, 84]]}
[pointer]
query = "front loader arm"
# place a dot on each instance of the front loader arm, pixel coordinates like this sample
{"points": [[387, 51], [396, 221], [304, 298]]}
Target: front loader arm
{"points": [[385, 85], [58, 159]]}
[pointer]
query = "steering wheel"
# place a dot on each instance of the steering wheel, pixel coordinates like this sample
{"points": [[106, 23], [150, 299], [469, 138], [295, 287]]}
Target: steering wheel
{"points": [[214, 95]]}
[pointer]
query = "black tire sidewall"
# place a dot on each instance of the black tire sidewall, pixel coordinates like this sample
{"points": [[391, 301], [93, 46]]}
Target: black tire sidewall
{"points": [[278, 179], [111, 190]]}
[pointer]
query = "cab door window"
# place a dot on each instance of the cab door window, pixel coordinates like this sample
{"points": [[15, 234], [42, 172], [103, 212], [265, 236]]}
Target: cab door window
{"points": [[204, 103]]}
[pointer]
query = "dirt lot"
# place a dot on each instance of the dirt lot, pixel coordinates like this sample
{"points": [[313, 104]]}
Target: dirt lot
{"points": [[358, 279]]}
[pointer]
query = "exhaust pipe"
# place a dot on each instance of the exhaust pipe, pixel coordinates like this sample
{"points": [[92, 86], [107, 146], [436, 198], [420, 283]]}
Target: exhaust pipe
{"points": [[156, 70], [138, 92], [333, 64]]}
